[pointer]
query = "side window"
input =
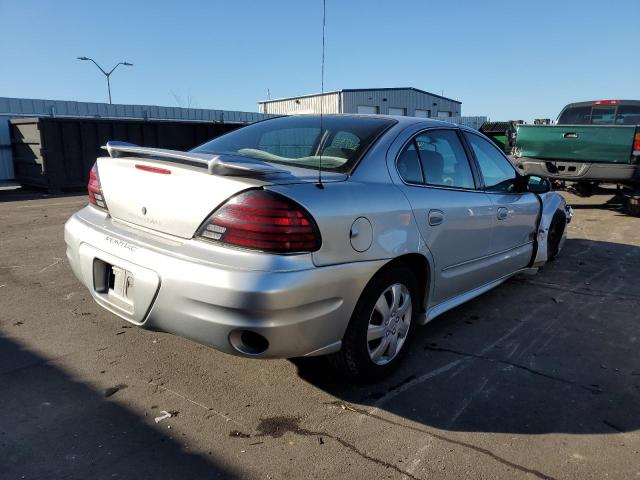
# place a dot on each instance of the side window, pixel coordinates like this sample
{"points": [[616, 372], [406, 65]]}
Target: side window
{"points": [[444, 162], [409, 164], [496, 170]]}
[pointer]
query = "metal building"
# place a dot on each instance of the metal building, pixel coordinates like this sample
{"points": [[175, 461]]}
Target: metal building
{"points": [[26, 107], [386, 101]]}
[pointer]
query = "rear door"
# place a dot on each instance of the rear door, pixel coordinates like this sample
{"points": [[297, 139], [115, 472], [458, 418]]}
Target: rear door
{"points": [[455, 219], [516, 214]]}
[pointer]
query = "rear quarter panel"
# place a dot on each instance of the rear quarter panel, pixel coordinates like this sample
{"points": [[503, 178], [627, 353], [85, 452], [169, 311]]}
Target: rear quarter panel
{"points": [[335, 208], [606, 144]]}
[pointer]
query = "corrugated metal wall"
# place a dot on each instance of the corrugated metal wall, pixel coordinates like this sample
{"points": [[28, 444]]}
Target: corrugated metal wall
{"points": [[6, 161], [21, 107], [310, 104], [26, 107], [410, 100]]}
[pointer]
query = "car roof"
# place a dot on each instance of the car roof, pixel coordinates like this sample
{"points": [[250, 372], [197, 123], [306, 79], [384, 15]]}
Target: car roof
{"points": [[400, 119], [593, 103]]}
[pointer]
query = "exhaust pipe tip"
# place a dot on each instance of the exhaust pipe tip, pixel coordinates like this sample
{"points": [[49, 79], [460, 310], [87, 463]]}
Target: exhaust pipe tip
{"points": [[248, 342]]}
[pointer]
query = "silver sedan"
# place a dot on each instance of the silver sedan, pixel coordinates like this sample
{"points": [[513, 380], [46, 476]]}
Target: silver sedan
{"points": [[306, 236]]}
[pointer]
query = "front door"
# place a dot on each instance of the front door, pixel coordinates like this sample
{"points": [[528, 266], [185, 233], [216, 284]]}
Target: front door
{"points": [[516, 216]]}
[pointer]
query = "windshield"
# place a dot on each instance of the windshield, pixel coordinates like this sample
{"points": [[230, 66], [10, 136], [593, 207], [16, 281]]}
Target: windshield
{"points": [[297, 141]]}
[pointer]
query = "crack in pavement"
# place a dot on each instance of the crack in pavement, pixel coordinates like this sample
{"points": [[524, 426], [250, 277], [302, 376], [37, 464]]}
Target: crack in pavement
{"points": [[576, 290], [276, 427], [443, 438], [589, 388], [198, 404]]}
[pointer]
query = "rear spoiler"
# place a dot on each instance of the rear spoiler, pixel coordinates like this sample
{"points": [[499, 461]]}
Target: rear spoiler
{"points": [[226, 165]]}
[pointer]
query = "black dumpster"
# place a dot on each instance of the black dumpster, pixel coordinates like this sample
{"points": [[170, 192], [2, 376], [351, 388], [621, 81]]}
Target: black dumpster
{"points": [[503, 134], [57, 153]]}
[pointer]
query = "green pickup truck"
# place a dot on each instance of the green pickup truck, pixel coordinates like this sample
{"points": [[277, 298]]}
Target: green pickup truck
{"points": [[591, 142]]}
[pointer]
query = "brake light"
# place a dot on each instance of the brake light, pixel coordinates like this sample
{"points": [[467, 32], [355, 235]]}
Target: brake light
{"points": [[606, 102], [95, 189], [264, 221], [147, 168], [636, 145]]}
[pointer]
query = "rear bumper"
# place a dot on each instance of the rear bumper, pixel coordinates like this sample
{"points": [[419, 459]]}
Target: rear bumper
{"points": [[579, 170], [300, 312]]}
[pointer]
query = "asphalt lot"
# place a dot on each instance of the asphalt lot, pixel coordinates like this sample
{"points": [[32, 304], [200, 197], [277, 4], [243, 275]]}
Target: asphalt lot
{"points": [[539, 378]]}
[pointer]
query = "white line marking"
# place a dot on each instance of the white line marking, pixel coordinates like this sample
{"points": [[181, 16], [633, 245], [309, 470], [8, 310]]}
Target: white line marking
{"points": [[164, 415]]}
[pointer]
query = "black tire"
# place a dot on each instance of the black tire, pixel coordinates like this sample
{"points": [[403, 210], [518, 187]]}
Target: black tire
{"points": [[556, 230], [631, 202], [353, 360], [584, 188]]}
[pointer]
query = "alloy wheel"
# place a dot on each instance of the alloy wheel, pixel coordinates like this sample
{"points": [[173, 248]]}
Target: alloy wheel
{"points": [[389, 324]]}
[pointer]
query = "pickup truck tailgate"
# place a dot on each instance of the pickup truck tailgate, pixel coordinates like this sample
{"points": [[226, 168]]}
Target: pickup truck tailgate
{"points": [[587, 143]]}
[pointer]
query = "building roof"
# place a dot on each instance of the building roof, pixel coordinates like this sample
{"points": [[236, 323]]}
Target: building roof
{"points": [[361, 90], [27, 107]]}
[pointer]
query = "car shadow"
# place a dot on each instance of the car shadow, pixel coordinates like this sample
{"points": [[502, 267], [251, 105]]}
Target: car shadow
{"points": [[52, 426], [550, 353], [23, 194]]}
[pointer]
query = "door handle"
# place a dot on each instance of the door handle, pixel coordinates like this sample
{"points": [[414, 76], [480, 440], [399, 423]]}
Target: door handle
{"points": [[503, 213], [570, 135], [436, 217]]}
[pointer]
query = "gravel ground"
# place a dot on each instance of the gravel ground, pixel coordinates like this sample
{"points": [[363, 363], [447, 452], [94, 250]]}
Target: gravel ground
{"points": [[539, 378]]}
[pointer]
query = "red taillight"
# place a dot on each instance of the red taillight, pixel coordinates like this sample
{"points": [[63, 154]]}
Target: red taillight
{"points": [[265, 221], [606, 102], [95, 190], [636, 145], [147, 168]]}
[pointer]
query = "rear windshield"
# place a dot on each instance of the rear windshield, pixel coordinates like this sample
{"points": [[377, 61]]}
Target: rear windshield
{"points": [[575, 116], [297, 141], [601, 115], [628, 115]]}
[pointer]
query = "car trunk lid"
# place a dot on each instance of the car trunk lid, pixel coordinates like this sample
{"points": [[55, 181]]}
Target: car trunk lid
{"points": [[174, 192]]}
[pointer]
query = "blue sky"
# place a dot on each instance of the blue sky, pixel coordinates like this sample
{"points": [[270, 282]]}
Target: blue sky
{"points": [[504, 59]]}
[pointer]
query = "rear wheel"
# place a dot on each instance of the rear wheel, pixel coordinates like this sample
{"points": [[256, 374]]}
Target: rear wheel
{"points": [[380, 328]]}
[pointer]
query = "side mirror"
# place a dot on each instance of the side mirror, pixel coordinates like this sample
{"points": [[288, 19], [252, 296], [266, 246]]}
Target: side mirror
{"points": [[536, 184]]}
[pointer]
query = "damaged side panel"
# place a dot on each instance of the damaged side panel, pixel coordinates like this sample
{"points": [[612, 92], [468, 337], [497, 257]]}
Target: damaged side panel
{"points": [[551, 203]]}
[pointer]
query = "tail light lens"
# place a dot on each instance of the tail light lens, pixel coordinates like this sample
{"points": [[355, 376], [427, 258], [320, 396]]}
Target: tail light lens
{"points": [[95, 190], [636, 145], [264, 221]]}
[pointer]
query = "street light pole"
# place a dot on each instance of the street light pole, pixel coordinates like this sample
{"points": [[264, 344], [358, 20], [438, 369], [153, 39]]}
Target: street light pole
{"points": [[107, 74]]}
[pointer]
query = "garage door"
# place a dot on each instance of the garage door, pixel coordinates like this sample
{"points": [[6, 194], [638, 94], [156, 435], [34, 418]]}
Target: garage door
{"points": [[367, 109], [397, 111]]}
